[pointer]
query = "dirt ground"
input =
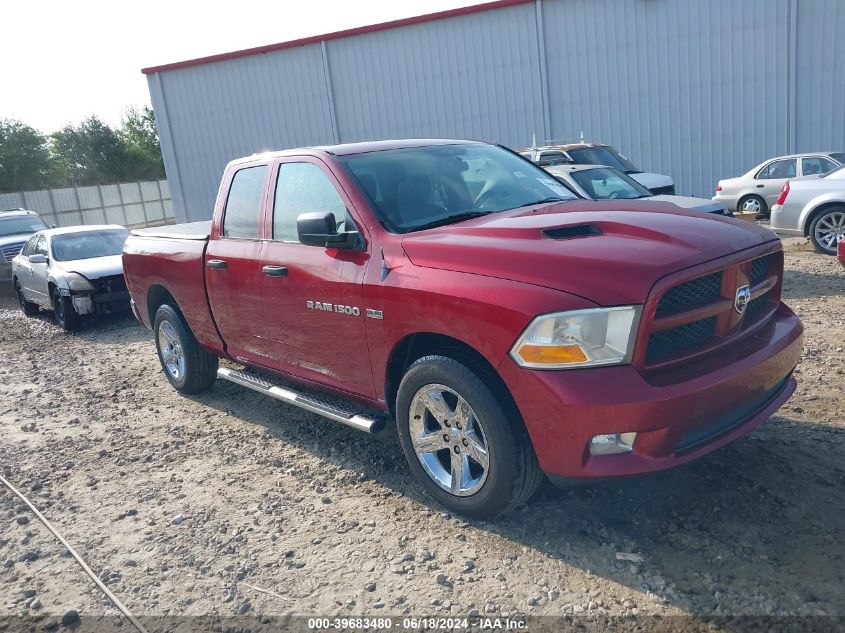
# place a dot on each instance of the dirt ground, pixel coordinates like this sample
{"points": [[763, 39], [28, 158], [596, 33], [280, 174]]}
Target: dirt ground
{"points": [[285, 512]]}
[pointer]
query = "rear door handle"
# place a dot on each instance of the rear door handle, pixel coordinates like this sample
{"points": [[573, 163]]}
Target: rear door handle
{"points": [[275, 271], [759, 186], [219, 264]]}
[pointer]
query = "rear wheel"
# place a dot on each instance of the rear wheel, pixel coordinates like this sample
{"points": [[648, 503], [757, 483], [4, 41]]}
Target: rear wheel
{"points": [[188, 367], [29, 308], [827, 229], [63, 312], [753, 204], [461, 442]]}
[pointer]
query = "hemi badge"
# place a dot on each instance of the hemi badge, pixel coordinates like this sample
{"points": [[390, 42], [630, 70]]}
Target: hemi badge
{"points": [[375, 314]]}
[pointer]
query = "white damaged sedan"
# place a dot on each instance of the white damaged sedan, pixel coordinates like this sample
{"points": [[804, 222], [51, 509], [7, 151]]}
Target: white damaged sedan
{"points": [[74, 271]]}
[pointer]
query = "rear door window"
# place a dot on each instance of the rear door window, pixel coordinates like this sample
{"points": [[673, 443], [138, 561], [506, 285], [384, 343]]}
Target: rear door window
{"points": [[779, 169], [243, 205]]}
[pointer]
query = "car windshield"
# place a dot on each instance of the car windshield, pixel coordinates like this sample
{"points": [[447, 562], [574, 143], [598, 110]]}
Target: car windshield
{"points": [[69, 247], [20, 225], [836, 174], [421, 187], [603, 155], [606, 183]]}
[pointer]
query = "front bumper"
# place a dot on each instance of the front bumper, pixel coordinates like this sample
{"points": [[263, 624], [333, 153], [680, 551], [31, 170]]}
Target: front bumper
{"points": [[678, 415], [100, 303]]}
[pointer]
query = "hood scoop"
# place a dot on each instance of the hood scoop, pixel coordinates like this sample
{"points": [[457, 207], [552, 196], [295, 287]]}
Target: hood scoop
{"points": [[575, 230]]}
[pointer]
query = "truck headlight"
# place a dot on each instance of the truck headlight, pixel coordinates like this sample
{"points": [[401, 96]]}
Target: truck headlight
{"points": [[78, 283], [580, 338]]}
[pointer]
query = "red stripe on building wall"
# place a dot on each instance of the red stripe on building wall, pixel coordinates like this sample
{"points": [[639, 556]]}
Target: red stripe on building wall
{"points": [[383, 26]]}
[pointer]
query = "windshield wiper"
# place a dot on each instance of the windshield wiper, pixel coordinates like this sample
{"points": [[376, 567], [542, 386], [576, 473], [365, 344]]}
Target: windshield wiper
{"points": [[548, 200], [451, 219]]}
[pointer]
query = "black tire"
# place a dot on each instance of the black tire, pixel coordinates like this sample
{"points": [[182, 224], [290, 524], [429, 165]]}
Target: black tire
{"points": [[831, 216], [764, 208], [29, 308], [513, 474], [63, 312], [199, 367]]}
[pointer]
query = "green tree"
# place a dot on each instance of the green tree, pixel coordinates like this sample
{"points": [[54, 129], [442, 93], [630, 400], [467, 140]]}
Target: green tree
{"points": [[25, 161], [91, 153], [140, 136]]}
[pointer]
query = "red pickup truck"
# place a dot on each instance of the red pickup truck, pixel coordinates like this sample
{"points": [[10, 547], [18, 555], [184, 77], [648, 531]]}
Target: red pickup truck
{"points": [[510, 329]]}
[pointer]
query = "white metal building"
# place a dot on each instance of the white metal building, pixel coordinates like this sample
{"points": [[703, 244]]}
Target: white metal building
{"points": [[698, 89]]}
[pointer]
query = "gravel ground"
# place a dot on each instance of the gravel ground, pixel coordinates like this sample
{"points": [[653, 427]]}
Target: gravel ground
{"points": [[231, 503]]}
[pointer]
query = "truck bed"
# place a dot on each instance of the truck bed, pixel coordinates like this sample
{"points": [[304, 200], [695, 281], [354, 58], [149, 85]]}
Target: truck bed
{"points": [[188, 231]]}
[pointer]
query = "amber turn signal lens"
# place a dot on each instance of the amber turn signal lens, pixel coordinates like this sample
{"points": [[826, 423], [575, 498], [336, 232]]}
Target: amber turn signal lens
{"points": [[552, 354]]}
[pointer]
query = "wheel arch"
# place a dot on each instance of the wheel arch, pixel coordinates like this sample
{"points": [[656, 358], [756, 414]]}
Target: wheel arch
{"points": [[417, 345], [813, 213], [157, 296]]}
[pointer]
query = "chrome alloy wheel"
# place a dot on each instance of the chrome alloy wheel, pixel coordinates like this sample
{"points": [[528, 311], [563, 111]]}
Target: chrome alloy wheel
{"points": [[830, 228], [751, 204], [172, 355], [448, 440]]}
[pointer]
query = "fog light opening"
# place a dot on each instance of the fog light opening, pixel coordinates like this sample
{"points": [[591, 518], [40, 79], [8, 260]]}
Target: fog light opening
{"points": [[612, 443]]}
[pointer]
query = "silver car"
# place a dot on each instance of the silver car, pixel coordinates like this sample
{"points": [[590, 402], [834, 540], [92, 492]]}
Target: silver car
{"points": [[73, 271], [813, 207], [757, 191], [16, 225], [599, 182]]}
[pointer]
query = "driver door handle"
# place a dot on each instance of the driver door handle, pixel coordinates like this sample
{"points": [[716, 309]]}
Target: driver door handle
{"points": [[275, 271], [217, 264]]}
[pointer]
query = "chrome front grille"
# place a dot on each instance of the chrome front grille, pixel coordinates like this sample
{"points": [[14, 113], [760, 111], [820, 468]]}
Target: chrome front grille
{"points": [[11, 250]]}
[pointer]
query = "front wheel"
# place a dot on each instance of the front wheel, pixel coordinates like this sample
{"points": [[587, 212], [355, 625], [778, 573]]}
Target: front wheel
{"points": [[827, 229], [469, 451], [29, 308], [63, 312], [188, 367]]}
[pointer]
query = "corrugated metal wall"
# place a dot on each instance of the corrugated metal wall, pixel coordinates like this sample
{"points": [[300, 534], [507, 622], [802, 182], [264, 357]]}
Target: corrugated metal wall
{"points": [[700, 90]]}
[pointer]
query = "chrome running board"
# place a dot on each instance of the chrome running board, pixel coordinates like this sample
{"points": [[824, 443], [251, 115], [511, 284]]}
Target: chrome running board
{"points": [[333, 408]]}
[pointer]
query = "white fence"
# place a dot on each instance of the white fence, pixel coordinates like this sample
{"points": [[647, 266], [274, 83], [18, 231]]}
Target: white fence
{"points": [[132, 204]]}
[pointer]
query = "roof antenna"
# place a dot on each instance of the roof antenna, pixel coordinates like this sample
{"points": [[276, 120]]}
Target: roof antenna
{"points": [[582, 137], [534, 141]]}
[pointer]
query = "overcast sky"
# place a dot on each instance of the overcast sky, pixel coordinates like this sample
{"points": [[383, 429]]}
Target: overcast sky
{"points": [[61, 60]]}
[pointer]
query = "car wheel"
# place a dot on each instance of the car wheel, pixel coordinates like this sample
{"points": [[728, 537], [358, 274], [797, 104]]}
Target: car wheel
{"points": [[188, 367], [469, 450], [29, 308], [63, 312], [753, 204], [826, 229]]}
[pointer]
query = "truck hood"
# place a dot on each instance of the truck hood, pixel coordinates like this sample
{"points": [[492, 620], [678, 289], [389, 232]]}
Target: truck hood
{"points": [[95, 267], [652, 181], [633, 245], [693, 204], [18, 238]]}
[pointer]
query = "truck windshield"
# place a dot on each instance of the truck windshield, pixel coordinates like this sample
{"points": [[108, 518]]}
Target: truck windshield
{"points": [[86, 244], [20, 225], [606, 183], [421, 187], [603, 155]]}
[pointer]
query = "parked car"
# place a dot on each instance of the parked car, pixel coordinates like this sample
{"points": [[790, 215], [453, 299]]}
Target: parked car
{"points": [[508, 327], [74, 271], [599, 182], [841, 252], [16, 225], [814, 208], [757, 190], [598, 154]]}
